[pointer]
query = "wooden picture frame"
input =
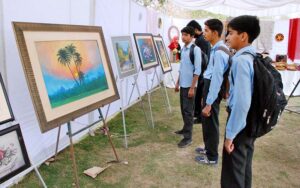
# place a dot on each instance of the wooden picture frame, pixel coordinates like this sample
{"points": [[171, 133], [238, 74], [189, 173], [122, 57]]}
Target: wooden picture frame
{"points": [[146, 50], [67, 69], [124, 56], [13, 155], [6, 113], [162, 54]]}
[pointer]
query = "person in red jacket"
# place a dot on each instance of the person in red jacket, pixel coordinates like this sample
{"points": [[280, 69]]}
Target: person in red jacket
{"points": [[175, 47]]}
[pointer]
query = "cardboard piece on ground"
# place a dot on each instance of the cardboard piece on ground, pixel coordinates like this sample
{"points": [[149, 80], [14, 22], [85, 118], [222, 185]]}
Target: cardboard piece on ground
{"points": [[94, 171]]}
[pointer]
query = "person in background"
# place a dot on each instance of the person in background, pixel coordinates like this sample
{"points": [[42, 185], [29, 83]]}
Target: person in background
{"points": [[238, 146], [205, 48], [175, 47], [187, 80]]}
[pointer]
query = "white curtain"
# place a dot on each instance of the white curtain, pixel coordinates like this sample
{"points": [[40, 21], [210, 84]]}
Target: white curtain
{"points": [[264, 41], [235, 8]]}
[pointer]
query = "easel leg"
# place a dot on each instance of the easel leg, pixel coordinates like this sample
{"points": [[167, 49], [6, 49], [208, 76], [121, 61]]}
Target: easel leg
{"points": [[163, 87], [40, 177], [57, 142], [108, 135], [73, 155], [123, 113], [142, 105], [149, 102]]}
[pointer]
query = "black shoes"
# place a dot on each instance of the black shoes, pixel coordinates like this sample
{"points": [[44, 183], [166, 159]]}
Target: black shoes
{"points": [[184, 143], [197, 121], [179, 132]]}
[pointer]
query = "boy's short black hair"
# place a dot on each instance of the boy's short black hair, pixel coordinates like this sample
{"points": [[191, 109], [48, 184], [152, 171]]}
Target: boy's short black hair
{"points": [[189, 30], [215, 25], [246, 23], [195, 25]]}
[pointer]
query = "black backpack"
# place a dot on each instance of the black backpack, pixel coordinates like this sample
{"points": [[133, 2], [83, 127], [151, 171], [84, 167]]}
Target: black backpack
{"points": [[204, 59], [268, 100]]}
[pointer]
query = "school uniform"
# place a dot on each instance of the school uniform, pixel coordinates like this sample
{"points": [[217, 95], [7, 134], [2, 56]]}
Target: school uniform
{"points": [[205, 48], [213, 78], [186, 74], [237, 166]]}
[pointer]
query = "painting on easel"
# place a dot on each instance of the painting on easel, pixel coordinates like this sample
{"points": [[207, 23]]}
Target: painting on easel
{"points": [[67, 70]]}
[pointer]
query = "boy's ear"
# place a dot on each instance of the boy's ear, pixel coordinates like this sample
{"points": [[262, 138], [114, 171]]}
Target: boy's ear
{"points": [[244, 37]]}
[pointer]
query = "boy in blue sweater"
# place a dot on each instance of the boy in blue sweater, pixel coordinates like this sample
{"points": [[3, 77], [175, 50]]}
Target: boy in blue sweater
{"points": [[238, 146]]}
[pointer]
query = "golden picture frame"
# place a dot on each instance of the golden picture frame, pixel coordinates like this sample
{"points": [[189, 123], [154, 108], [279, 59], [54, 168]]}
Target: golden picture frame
{"points": [[67, 69]]}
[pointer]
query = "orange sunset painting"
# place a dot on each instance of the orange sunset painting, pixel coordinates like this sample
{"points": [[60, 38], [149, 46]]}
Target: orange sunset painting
{"points": [[71, 70]]}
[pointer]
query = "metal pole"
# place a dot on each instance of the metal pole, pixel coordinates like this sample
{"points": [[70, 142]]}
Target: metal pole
{"points": [[57, 142], [142, 102], [73, 155], [149, 101], [40, 177], [123, 113], [108, 135]]}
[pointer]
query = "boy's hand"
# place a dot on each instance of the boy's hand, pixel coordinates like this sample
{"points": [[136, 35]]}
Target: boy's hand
{"points": [[191, 93], [229, 146], [206, 111], [176, 87]]}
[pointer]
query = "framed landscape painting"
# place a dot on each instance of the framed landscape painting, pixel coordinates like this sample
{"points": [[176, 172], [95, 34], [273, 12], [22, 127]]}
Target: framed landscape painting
{"points": [[13, 154], [124, 56], [67, 69], [146, 50], [6, 114], [162, 54]]}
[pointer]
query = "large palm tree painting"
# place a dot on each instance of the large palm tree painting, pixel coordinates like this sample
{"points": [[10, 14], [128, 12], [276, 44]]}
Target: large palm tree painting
{"points": [[71, 70]]}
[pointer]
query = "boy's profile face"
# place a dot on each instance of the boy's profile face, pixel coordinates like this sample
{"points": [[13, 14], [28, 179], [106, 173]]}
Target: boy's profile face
{"points": [[233, 39], [186, 38], [208, 34]]}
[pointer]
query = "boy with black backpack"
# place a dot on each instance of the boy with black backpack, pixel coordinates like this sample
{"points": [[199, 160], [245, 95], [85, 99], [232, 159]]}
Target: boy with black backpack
{"points": [[205, 51], [187, 80], [213, 79], [255, 102]]}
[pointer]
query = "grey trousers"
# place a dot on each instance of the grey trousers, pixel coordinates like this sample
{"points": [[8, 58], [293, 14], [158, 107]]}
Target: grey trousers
{"points": [[210, 126], [187, 112], [237, 166]]}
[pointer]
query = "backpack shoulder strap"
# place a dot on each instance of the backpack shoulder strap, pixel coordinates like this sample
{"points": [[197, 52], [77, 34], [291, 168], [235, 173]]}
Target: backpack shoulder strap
{"points": [[192, 55], [224, 49]]}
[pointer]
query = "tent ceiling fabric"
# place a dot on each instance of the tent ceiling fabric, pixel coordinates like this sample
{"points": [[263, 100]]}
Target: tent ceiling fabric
{"points": [[260, 8]]}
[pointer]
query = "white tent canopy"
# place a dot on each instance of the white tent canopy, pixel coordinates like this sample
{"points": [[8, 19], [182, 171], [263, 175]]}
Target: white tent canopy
{"points": [[261, 8]]}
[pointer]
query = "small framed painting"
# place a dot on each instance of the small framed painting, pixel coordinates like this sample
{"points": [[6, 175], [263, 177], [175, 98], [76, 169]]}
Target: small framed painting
{"points": [[146, 50], [162, 54], [6, 114], [13, 154], [124, 56]]}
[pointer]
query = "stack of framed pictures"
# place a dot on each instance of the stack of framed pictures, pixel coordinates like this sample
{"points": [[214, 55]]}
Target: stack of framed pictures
{"points": [[67, 70], [13, 154], [124, 56]]}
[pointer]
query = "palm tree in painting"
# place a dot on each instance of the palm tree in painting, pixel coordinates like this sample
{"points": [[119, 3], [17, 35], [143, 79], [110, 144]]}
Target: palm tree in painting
{"points": [[78, 62], [64, 58], [68, 54]]}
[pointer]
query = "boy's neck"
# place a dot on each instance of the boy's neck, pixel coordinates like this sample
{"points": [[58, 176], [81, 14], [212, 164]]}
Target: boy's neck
{"points": [[243, 46], [215, 41], [187, 43]]}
